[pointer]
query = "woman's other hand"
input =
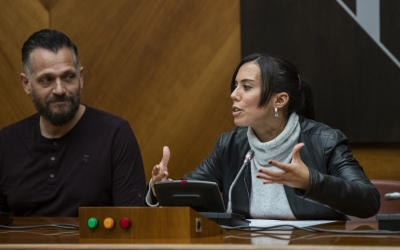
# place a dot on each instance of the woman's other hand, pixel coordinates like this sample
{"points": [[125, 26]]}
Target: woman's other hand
{"points": [[294, 174]]}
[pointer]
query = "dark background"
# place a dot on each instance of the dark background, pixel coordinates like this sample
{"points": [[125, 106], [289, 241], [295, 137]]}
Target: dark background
{"points": [[356, 85]]}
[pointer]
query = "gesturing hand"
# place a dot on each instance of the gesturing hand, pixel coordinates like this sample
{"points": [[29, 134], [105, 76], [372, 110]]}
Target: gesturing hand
{"points": [[294, 174], [160, 171]]}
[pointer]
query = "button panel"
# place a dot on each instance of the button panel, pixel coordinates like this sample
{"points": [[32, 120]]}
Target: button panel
{"points": [[109, 223], [132, 224]]}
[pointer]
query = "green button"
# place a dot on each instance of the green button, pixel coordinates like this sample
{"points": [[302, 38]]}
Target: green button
{"points": [[92, 222]]}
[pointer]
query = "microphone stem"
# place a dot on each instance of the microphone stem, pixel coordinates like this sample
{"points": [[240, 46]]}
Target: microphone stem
{"points": [[229, 209]]}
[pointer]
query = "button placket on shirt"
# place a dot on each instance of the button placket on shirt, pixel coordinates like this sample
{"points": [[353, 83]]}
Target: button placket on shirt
{"points": [[52, 164]]}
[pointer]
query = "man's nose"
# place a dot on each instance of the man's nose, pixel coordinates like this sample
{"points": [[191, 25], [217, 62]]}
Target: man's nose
{"points": [[59, 88]]}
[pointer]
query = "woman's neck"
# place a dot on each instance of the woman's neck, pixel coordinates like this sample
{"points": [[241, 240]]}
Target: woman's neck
{"points": [[271, 130]]}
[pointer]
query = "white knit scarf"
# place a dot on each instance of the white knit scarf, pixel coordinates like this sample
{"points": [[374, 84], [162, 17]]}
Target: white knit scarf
{"points": [[270, 201]]}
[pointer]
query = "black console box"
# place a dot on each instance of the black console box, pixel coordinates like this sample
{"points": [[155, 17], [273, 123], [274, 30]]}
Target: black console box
{"points": [[227, 219], [6, 219], [389, 222]]}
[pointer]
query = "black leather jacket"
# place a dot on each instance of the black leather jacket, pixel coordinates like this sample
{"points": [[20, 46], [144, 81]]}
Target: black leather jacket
{"points": [[338, 184]]}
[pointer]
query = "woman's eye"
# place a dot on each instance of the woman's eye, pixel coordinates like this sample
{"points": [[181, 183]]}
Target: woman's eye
{"points": [[246, 87]]}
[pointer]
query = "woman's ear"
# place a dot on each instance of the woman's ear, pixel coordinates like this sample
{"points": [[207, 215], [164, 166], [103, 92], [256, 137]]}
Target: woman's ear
{"points": [[281, 99]]}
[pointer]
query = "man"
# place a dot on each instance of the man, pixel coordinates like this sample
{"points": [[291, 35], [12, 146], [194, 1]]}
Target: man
{"points": [[67, 155]]}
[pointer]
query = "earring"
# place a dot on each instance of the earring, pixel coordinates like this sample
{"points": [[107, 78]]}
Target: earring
{"points": [[276, 112]]}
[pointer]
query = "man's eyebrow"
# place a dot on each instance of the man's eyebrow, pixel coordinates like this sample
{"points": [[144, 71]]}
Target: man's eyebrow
{"points": [[68, 71], [45, 74]]}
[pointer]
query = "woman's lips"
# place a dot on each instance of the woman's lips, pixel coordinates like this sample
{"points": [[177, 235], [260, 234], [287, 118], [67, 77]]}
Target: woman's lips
{"points": [[236, 111]]}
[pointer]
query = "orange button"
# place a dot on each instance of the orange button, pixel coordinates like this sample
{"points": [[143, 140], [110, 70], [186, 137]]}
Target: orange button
{"points": [[108, 223]]}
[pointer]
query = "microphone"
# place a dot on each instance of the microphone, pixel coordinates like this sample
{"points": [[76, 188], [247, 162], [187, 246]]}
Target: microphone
{"points": [[392, 196], [247, 158], [229, 219]]}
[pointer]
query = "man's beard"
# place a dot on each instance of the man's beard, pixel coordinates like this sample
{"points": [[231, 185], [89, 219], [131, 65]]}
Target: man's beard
{"points": [[67, 112]]}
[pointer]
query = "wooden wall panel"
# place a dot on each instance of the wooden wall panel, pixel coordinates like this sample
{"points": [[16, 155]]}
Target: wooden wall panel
{"points": [[165, 66], [48, 4], [380, 161], [18, 20]]}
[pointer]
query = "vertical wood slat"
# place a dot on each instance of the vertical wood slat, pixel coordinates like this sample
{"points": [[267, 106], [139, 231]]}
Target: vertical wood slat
{"points": [[18, 20]]}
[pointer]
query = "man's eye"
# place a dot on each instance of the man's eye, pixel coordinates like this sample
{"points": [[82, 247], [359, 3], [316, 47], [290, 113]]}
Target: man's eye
{"points": [[45, 81], [70, 77]]}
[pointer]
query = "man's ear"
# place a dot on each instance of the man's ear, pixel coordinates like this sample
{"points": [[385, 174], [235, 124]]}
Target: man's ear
{"points": [[81, 76], [25, 83], [281, 99]]}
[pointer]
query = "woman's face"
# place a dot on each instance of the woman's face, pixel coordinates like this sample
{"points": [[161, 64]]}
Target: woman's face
{"points": [[246, 97]]}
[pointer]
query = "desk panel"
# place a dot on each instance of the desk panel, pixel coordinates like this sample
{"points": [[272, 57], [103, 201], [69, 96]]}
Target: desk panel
{"points": [[54, 238]]}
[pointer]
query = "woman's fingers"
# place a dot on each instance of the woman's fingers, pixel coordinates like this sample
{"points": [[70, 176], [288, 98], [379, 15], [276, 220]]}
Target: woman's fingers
{"points": [[165, 158], [296, 153], [160, 171]]}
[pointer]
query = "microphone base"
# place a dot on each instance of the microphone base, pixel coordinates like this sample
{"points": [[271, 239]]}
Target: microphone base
{"points": [[227, 219], [6, 219], [389, 222]]}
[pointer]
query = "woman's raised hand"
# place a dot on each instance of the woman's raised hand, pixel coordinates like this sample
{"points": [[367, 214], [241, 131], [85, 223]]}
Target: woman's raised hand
{"points": [[160, 171], [294, 174]]}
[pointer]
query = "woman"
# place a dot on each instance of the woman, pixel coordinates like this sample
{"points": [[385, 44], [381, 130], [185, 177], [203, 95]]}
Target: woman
{"points": [[301, 169]]}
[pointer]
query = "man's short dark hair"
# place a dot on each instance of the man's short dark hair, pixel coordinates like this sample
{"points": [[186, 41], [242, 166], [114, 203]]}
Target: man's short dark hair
{"points": [[48, 39]]}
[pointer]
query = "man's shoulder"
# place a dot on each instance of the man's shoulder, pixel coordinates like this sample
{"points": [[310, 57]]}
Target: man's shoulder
{"points": [[24, 124], [96, 121], [98, 115]]}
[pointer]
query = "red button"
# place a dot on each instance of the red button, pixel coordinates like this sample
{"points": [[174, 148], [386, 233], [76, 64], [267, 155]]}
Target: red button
{"points": [[183, 181], [125, 223]]}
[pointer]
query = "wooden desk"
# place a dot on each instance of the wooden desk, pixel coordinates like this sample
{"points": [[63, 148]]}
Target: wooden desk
{"points": [[53, 238]]}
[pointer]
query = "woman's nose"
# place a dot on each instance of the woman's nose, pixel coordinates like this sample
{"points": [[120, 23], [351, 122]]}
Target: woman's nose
{"points": [[234, 94]]}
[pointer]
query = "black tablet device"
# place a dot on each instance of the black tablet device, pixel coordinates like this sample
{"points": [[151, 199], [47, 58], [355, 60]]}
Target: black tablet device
{"points": [[202, 196]]}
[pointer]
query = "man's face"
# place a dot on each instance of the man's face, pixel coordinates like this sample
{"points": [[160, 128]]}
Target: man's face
{"points": [[54, 84]]}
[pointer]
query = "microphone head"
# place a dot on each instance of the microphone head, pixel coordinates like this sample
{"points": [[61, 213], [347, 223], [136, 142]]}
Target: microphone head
{"points": [[392, 196], [249, 155]]}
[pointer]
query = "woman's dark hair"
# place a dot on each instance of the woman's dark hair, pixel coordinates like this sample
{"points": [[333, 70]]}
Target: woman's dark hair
{"points": [[52, 40], [279, 75]]}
